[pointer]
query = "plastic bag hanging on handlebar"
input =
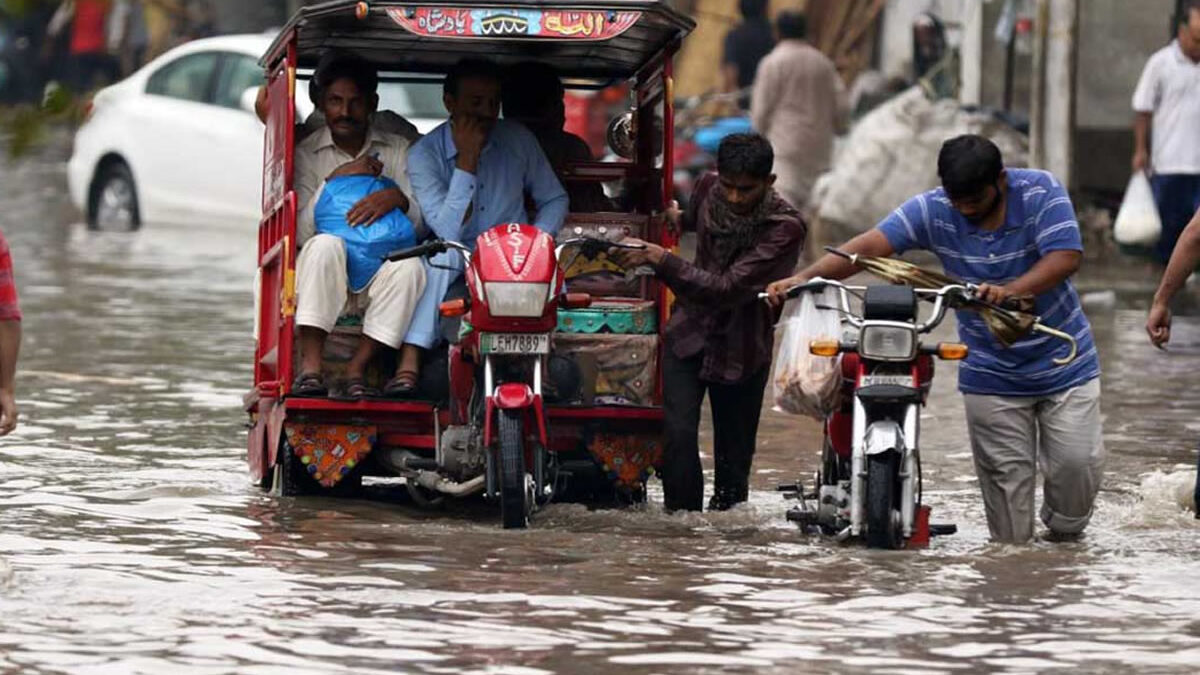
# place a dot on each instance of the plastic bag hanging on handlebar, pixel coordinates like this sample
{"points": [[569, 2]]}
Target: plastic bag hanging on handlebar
{"points": [[806, 384]]}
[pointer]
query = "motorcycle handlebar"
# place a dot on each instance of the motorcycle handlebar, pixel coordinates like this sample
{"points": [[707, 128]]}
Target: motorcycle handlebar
{"points": [[592, 246], [429, 248], [942, 298]]}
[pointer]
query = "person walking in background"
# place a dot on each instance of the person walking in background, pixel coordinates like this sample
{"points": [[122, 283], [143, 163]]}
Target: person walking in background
{"points": [[1166, 128], [10, 340], [745, 47], [1184, 260], [799, 104], [89, 61]]}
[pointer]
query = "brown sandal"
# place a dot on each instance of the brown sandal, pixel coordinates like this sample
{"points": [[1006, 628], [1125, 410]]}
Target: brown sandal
{"points": [[356, 389], [403, 384], [309, 384]]}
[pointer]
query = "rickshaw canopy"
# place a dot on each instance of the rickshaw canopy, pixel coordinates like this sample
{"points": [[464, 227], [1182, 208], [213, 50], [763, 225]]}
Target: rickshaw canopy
{"points": [[603, 41]]}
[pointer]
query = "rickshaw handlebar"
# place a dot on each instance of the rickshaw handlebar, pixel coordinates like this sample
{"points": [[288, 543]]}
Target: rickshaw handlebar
{"points": [[429, 248], [590, 245]]}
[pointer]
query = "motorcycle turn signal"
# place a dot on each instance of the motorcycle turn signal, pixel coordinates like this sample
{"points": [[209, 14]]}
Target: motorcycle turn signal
{"points": [[824, 347], [951, 351], [452, 308]]}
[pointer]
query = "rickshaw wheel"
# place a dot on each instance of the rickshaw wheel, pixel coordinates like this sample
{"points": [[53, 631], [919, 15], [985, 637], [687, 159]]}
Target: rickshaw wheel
{"points": [[513, 495]]}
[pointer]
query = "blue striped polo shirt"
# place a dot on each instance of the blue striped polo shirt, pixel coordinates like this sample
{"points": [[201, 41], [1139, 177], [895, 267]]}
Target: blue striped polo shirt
{"points": [[1039, 219]]}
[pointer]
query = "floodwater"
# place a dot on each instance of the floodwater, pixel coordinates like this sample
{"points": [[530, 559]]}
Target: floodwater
{"points": [[132, 542]]}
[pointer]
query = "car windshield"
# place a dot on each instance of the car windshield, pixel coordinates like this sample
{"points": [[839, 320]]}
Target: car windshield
{"points": [[413, 100]]}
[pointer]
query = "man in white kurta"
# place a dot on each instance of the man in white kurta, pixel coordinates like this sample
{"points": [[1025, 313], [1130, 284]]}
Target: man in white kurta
{"points": [[348, 145]]}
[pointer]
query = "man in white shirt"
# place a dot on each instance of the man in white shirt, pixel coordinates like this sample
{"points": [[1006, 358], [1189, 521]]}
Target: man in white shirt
{"points": [[1166, 127], [348, 145]]}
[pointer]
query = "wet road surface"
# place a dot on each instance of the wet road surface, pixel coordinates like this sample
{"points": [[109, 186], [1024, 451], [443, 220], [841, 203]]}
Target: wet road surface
{"points": [[132, 542]]}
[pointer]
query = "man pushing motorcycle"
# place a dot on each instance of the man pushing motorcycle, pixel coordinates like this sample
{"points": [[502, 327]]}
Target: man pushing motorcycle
{"points": [[1014, 233]]}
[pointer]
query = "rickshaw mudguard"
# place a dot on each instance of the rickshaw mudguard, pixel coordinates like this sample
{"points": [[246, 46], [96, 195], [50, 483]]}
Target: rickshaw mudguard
{"points": [[256, 451], [330, 452], [275, 418]]}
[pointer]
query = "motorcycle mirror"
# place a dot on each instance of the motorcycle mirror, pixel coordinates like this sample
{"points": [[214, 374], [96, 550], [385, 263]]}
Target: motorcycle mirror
{"points": [[621, 134]]}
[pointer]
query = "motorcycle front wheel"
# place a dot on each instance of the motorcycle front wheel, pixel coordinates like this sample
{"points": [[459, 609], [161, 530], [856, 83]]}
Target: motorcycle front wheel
{"points": [[514, 509], [882, 501]]}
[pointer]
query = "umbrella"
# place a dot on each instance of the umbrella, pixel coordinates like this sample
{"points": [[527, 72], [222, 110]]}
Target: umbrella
{"points": [[1008, 324]]}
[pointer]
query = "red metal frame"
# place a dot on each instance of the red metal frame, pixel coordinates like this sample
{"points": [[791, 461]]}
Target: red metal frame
{"points": [[413, 424]]}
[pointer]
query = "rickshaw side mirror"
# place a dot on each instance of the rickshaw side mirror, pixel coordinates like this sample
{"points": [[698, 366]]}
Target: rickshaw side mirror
{"points": [[621, 135]]}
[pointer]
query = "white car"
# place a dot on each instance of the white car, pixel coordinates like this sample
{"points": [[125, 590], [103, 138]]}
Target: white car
{"points": [[178, 142]]}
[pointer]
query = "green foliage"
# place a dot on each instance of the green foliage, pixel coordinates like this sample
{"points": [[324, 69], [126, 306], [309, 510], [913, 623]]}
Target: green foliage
{"points": [[23, 126]]}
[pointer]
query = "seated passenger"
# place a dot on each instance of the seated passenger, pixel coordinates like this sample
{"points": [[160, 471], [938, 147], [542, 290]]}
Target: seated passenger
{"points": [[533, 95], [381, 120], [472, 173], [349, 146]]}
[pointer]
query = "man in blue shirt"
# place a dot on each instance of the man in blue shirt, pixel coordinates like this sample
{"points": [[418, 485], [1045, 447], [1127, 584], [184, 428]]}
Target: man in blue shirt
{"points": [[470, 174], [1014, 233]]}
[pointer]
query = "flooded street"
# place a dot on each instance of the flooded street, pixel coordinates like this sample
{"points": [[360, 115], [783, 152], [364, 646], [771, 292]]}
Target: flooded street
{"points": [[131, 540]]}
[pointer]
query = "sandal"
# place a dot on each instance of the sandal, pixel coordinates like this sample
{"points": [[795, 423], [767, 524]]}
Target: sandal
{"points": [[357, 389], [309, 384], [403, 384]]}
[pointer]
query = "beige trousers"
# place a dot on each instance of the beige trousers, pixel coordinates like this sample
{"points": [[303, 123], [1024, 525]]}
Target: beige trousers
{"points": [[322, 291], [1011, 437]]}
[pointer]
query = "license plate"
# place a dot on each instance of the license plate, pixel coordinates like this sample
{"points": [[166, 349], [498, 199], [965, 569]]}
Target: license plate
{"points": [[514, 343], [903, 380]]}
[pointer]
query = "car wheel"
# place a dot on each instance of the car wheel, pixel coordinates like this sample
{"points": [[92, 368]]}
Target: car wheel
{"points": [[114, 201]]}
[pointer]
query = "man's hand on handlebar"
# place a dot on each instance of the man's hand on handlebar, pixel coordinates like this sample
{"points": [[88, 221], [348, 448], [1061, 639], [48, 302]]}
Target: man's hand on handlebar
{"points": [[634, 252], [994, 294], [777, 290]]}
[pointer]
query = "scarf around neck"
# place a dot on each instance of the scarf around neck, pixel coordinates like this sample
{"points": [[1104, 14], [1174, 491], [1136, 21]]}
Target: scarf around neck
{"points": [[731, 234]]}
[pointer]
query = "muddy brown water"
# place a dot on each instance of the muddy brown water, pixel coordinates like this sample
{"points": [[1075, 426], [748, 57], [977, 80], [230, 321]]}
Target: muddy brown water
{"points": [[132, 542]]}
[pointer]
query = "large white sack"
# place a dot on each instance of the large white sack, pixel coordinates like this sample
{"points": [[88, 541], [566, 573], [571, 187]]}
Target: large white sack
{"points": [[891, 155]]}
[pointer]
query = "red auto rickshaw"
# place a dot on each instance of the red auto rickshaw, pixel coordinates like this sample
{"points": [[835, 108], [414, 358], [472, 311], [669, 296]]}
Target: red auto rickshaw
{"points": [[559, 404]]}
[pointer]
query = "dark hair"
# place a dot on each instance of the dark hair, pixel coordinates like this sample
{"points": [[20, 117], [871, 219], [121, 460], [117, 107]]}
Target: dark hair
{"points": [[530, 88], [335, 66], [753, 9], [792, 25], [1184, 17], [745, 155], [967, 164], [468, 68]]}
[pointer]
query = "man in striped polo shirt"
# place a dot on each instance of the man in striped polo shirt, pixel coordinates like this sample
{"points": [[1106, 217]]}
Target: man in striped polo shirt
{"points": [[1014, 233]]}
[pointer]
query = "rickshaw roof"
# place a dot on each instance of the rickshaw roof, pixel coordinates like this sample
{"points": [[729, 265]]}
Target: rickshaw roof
{"points": [[606, 40]]}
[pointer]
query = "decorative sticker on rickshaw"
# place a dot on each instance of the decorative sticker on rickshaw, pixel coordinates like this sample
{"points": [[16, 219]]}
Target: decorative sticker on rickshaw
{"points": [[329, 452], [628, 459], [554, 24]]}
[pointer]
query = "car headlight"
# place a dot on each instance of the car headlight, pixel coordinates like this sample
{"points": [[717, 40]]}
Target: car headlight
{"points": [[516, 299], [888, 342]]}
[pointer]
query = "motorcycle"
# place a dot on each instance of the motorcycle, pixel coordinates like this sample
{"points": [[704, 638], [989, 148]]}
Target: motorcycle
{"points": [[515, 289], [869, 482]]}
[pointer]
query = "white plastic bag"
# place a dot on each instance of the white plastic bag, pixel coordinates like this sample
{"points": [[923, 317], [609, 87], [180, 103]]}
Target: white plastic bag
{"points": [[1138, 223], [806, 384]]}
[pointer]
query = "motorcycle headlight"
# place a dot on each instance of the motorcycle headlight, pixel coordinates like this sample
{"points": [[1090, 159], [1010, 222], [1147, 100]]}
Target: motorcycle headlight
{"points": [[516, 299], [888, 342]]}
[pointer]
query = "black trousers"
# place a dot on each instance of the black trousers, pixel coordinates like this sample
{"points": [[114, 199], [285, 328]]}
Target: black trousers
{"points": [[735, 412]]}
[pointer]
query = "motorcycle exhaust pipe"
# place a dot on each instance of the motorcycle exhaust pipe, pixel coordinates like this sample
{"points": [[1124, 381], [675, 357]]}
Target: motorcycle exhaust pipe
{"points": [[403, 461], [432, 481]]}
